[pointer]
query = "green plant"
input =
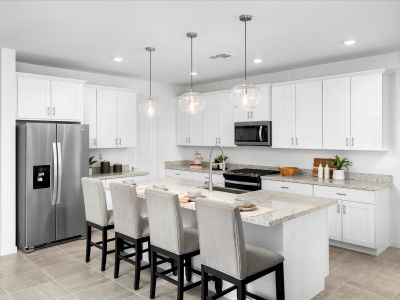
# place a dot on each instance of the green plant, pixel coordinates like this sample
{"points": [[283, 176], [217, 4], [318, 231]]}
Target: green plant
{"points": [[92, 161], [220, 159], [340, 163]]}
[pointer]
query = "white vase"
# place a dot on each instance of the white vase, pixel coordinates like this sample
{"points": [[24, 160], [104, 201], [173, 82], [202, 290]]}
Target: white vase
{"points": [[90, 171], [338, 175]]}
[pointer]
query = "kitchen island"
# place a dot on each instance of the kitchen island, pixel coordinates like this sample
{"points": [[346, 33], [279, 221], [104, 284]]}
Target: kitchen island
{"points": [[296, 227]]}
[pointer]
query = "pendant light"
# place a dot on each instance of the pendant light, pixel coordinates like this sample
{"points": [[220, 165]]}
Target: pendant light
{"points": [[245, 95], [191, 102], [150, 107]]}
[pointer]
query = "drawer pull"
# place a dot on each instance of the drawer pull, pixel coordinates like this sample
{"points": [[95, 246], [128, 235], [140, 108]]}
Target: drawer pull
{"points": [[341, 194], [338, 208], [344, 209], [178, 174], [285, 187]]}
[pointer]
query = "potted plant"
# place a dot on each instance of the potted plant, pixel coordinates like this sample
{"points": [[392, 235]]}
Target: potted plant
{"points": [[220, 161], [92, 161], [339, 164]]}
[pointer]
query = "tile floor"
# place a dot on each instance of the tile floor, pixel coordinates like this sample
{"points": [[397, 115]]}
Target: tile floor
{"points": [[59, 272]]}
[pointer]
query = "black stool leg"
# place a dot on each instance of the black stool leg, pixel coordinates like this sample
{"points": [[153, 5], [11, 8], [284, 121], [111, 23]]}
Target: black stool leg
{"points": [[88, 240], [218, 285], [174, 267], [188, 269], [103, 249], [181, 276], [117, 259], [153, 259], [241, 291], [280, 282], [138, 258], [204, 284]]}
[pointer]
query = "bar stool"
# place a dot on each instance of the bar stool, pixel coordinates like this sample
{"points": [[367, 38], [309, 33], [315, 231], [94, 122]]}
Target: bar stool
{"points": [[170, 239], [97, 216], [225, 255], [131, 229]]}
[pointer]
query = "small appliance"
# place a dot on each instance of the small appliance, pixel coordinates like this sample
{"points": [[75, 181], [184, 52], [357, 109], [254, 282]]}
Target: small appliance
{"points": [[246, 179], [253, 133]]}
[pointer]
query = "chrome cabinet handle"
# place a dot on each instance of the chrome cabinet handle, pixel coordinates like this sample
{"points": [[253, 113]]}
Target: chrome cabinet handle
{"points": [[285, 187], [251, 114], [291, 141], [338, 208], [297, 141], [54, 111], [120, 141], [59, 173], [48, 111], [352, 141], [55, 175], [219, 139], [189, 139], [95, 142], [260, 133], [116, 141], [341, 194], [344, 209], [347, 141], [177, 174], [216, 140]]}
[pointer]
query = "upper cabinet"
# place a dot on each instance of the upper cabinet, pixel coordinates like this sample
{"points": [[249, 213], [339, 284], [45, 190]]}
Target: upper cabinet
{"points": [[111, 115], [49, 98], [260, 113], [189, 128]]}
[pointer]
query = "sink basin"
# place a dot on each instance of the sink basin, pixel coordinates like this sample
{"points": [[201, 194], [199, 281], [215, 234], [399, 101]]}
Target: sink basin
{"points": [[226, 190]]}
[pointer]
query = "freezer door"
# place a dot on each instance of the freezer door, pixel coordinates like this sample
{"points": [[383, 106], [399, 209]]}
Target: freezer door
{"points": [[73, 154], [40, 188]]}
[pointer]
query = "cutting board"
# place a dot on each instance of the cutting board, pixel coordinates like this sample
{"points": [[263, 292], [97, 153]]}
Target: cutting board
{"points": [[323, 161]]}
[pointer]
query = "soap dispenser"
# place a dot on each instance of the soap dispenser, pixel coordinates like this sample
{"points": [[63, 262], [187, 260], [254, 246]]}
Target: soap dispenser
{"points": [[326, 171], [320, 171]]}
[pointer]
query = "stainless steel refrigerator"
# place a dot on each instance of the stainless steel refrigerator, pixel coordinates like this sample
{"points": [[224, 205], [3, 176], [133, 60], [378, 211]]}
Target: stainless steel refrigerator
{"points": [[51, 159]]}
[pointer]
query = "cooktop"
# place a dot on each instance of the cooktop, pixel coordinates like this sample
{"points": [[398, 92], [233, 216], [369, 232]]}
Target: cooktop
{"points": [[251, 172]]}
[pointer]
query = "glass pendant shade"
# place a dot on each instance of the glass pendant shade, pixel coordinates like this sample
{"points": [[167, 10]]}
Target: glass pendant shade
{"points": [[150, 107], [245, 96], [191, 103]]}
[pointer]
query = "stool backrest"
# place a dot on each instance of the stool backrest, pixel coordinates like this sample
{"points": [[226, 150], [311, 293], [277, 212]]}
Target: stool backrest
{"points": [[94, 198], [222, 244], [165, 220], [126, 207]]}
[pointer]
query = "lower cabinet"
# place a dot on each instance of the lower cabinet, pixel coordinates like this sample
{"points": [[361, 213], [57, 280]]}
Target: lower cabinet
{"points": [[287, 187], [218, 179]]}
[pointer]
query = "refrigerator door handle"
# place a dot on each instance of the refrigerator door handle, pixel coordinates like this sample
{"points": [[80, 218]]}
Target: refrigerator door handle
{"points": [[59, 177], [55, 175]]}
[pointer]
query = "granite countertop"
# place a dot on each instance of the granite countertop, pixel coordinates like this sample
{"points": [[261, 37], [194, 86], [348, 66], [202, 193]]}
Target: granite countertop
{"points": [[288, 206], [104, 176], [187, 168], [372, 183]]}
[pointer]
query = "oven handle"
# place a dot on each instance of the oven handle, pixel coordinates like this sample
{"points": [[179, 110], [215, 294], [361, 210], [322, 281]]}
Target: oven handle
{"points": [[260, 133], [242, 182]]}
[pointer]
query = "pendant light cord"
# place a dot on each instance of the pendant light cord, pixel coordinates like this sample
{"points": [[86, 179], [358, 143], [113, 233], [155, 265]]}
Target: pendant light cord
{"points": [[150, 74], [245, 51], [191, 64]]}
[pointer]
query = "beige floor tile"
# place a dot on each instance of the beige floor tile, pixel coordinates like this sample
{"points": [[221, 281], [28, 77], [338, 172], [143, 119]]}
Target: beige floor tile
{"points": [[13, 284], [12, 258], [2, 292], [5, 297], [49, 259], [331, 286], [163, 291], [83, 280], [109, 290], [65, 268], [49, 290], [348, 291], [17, 267]]}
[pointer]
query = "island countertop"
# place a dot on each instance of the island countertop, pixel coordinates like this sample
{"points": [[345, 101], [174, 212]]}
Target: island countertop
{"points": [[287, 206], [104, 176]]}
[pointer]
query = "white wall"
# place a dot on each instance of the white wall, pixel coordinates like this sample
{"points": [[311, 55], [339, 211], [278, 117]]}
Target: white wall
{"points": [[368, 162], [153, 148]]}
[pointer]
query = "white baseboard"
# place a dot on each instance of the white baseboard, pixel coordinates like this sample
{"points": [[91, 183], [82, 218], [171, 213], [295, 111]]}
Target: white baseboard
{"points": [[395, 244], [8, 250]]}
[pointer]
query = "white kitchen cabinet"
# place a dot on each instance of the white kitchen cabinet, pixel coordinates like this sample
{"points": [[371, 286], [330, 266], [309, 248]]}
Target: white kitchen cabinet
{"points": [[308, 115], [127, 120], [66, 100], [226, 120], [33, 98], [283, 116], [178, 174], [335, 221], [260, 113], [107, 118], [287, 187], [336, 113], [367, 108], [49, 98], [211, 115], [189, 128], [358, 223], [90, 115]]}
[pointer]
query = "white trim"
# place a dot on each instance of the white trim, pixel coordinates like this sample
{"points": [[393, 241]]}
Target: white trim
{"points": [[395, 244], [106, 87], [30, 75]]}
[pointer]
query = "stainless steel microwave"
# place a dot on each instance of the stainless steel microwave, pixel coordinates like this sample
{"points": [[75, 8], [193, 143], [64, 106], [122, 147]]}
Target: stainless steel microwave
{"points": [[253, 133]]}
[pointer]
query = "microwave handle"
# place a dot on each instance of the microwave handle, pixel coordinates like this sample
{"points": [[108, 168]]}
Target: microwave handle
{"points": [[260, 133]]}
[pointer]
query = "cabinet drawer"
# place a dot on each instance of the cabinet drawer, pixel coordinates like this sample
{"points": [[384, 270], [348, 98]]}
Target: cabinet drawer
{"points": [[287, 187], [345, 194], [178, 174], [201, 176]]}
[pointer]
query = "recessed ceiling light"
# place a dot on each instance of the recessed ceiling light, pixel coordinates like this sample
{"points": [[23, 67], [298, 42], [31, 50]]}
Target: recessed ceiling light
{"points": [[350, 42], [257, 60], [194, 73], [118, 59]]}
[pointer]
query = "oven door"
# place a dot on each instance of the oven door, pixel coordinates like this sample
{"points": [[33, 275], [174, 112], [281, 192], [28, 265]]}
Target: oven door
{"points": [[253, 133]]}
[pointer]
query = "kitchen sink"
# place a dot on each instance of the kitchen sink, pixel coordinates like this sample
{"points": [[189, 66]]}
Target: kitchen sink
{"points": [[227, 190]]}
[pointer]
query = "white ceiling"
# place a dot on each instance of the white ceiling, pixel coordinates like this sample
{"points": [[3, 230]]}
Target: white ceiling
{"points": [[85, 35]]}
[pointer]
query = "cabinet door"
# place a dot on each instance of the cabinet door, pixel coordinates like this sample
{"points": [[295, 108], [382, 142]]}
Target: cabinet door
{"points": [[66, 100], [335, 221], [107, 118], [211, 116], [226, 120], [89, 114], [283, 116], [126, 120], [366, 112], [358, 223], [196, 129], [33, 98], [308, 115], [263, 110], [242, 115], [182, 127], [336, 113]]}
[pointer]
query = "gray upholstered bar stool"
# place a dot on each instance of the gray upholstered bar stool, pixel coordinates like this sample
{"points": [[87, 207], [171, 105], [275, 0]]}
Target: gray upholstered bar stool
{"points": [[170, 239], [97, 216], [131, 228], [225, 255]]}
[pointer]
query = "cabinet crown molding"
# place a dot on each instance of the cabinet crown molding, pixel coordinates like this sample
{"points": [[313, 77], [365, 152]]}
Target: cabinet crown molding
{"points": [[47, 77]]}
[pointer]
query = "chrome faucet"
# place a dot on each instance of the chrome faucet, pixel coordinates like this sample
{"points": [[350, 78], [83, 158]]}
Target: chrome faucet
{"points": [[210, 182]]}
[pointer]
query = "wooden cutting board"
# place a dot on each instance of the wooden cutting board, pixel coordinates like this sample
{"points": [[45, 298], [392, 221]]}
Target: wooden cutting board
{"points": [[323, 161]]}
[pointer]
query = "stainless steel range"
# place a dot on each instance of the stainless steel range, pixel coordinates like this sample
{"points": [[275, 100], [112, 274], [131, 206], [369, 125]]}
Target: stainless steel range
{"points": [[246, 179]]}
